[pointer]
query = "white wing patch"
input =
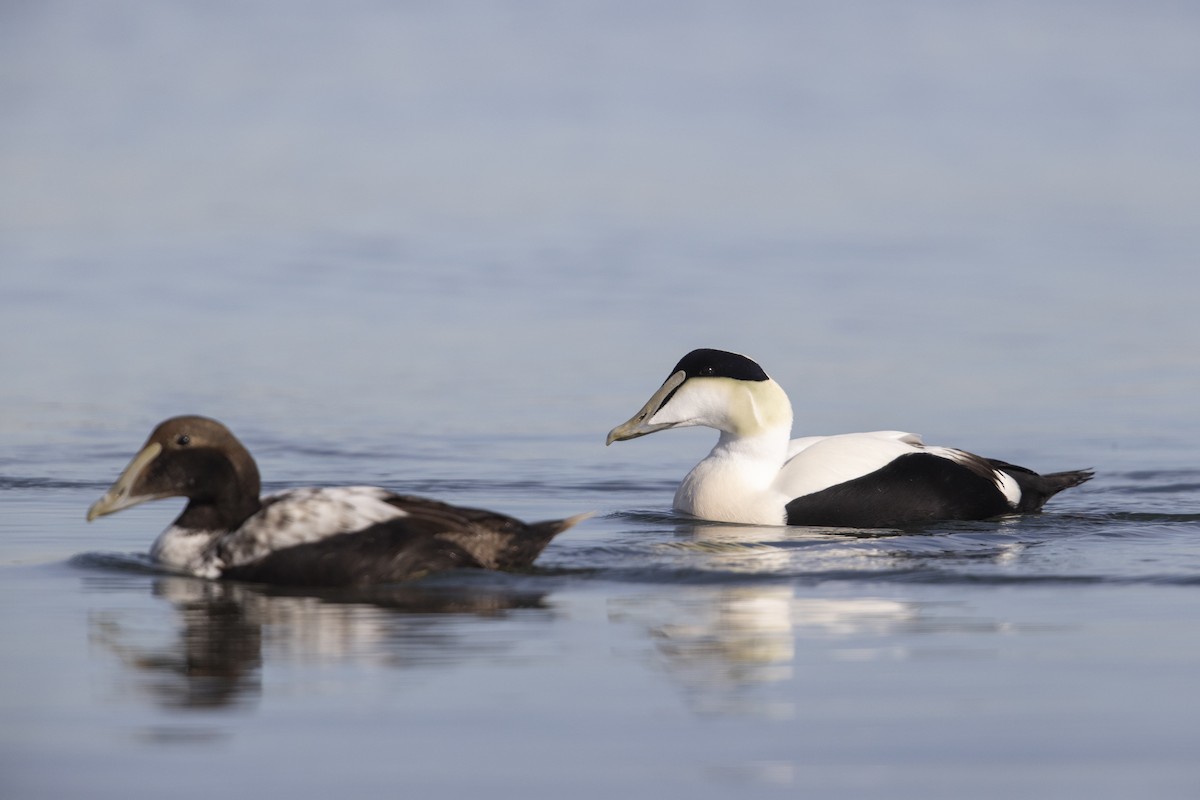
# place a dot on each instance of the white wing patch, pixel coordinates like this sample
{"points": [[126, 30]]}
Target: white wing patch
{"points": [[302, 516], [1006, 483], [293, 517]]}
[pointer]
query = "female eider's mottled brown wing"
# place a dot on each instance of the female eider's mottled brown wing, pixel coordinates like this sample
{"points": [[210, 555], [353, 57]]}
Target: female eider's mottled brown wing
{"points": [[388, 552], [431, 536], [496, 541]]}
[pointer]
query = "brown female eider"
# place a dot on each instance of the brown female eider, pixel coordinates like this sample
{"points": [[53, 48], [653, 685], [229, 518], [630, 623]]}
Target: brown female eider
{"points": [[330, 537]]}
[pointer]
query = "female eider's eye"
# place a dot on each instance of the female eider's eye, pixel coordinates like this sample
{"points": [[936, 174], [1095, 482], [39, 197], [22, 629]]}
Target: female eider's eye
{"points": [[183, 440]]}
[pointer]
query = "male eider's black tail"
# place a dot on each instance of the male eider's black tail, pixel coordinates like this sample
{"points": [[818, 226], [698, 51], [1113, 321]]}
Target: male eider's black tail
{"points": [[1037, 489]]}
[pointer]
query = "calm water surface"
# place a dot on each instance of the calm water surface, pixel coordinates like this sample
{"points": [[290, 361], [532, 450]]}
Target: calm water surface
{"points": [[444, 249]]}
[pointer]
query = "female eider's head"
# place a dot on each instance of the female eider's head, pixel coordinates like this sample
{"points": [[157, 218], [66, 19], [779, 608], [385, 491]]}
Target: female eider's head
{"points": [[193, 457], [716, 389]]}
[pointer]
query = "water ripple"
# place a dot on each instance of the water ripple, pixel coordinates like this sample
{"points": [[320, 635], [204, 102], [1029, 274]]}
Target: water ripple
{"points": [[16, 483]]}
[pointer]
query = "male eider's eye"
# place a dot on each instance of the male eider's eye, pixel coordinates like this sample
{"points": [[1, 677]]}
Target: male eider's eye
{"points": [[707, 371], [183, 440]]}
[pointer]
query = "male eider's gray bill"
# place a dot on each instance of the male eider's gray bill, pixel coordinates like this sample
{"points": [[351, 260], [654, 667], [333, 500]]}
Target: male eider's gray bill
{"points": [[639, 424], [757, 474], [326, 536]]}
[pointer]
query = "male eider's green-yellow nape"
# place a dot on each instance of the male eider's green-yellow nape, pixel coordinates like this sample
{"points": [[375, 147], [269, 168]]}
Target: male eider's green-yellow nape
{"points": [[319, 537], [757, 474]]}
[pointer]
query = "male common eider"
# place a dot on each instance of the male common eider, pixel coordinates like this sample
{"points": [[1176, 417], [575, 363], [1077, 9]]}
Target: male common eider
{"points": [[343, 536], [882, 479]]}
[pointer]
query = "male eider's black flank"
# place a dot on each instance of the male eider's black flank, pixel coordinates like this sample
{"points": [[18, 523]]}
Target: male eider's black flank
{"points": [[756, 474], [317, 537], [921, 487]]}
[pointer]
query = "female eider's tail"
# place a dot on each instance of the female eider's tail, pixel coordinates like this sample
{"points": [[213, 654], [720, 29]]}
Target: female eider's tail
{"points": [[520, 549], [1037, 489], [550, 528], [560, 525]]}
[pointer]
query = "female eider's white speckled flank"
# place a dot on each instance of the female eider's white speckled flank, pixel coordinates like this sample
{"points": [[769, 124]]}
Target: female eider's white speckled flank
{"points": [[340, 536], [757, 475]]}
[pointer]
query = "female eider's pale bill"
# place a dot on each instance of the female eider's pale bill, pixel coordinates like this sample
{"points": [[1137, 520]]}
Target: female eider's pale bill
{"points": [[757, 474], [341, 536]]}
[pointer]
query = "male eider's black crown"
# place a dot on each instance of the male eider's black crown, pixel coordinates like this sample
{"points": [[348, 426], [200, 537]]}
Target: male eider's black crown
{"points": [[708, 363]]}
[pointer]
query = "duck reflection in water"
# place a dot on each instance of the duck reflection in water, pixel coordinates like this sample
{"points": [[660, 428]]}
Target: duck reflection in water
{"points": [[732, 645], [728, 646], [225, 632]]}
